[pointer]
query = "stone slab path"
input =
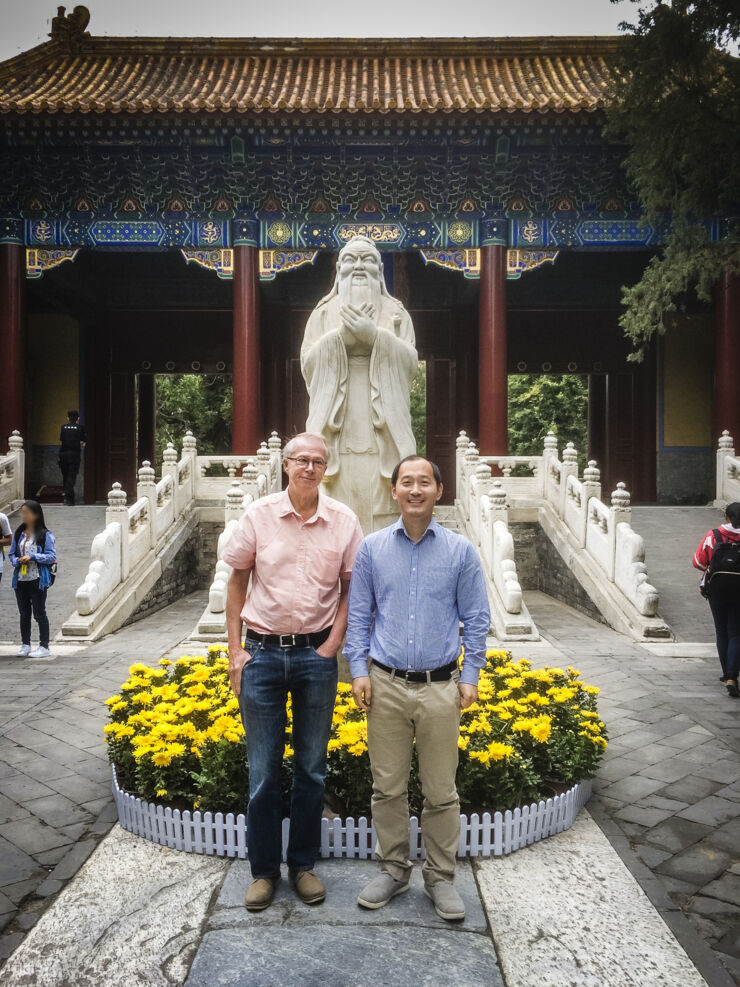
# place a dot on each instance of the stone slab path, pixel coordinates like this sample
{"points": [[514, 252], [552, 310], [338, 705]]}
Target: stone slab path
{"points": [[668, 792], [55, 782], [671, 535], [564, 911], [667, 796]]}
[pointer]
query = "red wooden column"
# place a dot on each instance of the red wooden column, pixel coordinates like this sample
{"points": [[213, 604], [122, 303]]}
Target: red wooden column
{"points": [[727, 358], [247, 424], [492, 376], [12, 342]]}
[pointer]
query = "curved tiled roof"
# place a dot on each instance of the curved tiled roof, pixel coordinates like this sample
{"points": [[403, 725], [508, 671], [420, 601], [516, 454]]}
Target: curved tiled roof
{"points": [[196, 75]]}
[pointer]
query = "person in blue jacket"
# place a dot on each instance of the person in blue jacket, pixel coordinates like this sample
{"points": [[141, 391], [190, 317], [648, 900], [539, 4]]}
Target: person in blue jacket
{"points": [[32, 555]]}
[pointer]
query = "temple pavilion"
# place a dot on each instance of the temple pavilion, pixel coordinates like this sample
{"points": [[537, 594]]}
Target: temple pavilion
{"points": [[175, 205]]}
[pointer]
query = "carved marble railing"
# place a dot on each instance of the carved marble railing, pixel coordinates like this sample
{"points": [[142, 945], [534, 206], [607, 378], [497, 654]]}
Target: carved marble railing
{"points": [[260, 476], [728, 471], [214, 474], [483, 505], [12, 473], [126, 557], [601, 546]]}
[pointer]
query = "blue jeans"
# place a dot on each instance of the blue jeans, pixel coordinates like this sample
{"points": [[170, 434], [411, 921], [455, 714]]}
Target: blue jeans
{"points": [[726, 613], [31, 599], [267, 678]]}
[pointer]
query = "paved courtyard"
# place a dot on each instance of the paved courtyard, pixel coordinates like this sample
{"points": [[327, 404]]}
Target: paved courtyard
{"points": [[667, 796]]}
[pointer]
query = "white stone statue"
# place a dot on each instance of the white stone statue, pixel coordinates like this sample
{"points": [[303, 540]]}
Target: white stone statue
{"points": [[358, 359]]}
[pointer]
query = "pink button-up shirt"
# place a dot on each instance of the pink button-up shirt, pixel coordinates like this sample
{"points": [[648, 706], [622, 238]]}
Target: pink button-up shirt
{"points": [[296, 564]]}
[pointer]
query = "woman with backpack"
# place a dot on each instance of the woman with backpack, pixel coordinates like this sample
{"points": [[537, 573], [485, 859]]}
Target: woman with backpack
{"points": [[33, 556], [718, 556]]}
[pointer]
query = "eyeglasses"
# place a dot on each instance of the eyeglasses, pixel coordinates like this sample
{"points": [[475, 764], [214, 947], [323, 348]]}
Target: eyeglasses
{"points": [[304, 462]]}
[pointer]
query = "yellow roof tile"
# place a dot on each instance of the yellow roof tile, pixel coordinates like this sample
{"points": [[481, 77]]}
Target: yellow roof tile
{"points": [[191, 75]]}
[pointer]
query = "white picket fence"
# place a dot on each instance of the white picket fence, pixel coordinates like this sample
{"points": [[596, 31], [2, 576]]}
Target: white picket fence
{"points": [[225, 835]]}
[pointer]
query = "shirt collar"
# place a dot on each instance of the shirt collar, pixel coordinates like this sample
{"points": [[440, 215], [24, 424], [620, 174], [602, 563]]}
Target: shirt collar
{"points": [[399, 526], [286, 507]]}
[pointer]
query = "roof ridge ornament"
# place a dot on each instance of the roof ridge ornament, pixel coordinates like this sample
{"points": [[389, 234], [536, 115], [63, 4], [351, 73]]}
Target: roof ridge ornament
{"points": [[69, 29]]}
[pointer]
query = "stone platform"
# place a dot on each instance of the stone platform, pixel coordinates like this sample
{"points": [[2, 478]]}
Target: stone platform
{"points": [[666, 797], [565, 911]]}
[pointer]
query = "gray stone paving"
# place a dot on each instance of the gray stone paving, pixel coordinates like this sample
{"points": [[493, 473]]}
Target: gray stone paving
{"points": [[671, 535], [55, 798], [670, 781], [670, 784], [74, 529], [339, 944]]}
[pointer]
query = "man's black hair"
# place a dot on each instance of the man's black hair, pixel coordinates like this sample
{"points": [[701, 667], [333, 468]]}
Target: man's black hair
{"points": [[73, 415], [410, 459], [732, 512]]}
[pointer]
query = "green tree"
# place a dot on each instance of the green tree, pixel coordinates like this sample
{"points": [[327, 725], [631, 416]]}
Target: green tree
{"points": [[676, 104], [418, 396], [199, 402], [540, 403]]}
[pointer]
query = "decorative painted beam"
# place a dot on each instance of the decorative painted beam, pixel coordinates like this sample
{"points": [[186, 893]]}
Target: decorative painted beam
{"points": [[40, 259], [390, 231], [466, 261], [519, 262], [219, 259], [273, 262]]}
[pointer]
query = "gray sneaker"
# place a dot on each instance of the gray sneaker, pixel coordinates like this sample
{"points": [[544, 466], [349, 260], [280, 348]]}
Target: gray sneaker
{"points": [[40, 652], [25, 649], [447, 902], [380, 891]]}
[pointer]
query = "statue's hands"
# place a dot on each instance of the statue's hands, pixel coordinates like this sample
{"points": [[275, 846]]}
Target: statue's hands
{"points": [[360, 321]]}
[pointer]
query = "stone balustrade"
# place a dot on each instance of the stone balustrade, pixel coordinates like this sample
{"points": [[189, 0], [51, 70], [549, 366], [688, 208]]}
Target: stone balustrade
{"points": [[597, 538], [261, 475], [728, 471], [482, 502], [12, 474], [126, 557]]}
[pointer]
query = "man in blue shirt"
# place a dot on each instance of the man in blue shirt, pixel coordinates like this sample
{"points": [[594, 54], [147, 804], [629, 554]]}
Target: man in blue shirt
{"points": [[412, 584]]}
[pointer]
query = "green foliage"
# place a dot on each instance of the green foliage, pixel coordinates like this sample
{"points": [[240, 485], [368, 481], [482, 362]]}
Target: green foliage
{"points": [[199, 402], [418, 398], [676, 104], [540, 403]]}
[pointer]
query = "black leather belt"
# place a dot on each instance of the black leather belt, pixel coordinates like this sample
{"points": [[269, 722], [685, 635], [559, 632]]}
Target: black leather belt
{"points": [[434, 674], [290, 640]]}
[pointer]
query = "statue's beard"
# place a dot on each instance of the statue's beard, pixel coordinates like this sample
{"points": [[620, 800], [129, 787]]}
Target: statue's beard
{"points": [[359, 293]]}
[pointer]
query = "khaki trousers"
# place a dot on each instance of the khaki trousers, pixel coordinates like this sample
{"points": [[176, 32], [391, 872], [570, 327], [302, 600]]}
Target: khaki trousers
{"points": [[401, 712]]}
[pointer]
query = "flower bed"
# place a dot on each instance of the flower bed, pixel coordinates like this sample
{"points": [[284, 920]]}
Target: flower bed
{"points": [[176, 741]]}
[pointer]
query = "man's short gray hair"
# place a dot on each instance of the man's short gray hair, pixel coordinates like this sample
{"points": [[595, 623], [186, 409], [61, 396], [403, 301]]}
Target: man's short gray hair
{"points": [[292, 443]]}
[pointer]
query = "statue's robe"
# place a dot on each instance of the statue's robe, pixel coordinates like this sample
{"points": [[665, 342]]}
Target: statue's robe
{"points": [[359, 402]]}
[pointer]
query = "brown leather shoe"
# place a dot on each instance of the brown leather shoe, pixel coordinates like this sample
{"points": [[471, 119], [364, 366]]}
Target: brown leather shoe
{"points": [[309, 888], [260, 894]]}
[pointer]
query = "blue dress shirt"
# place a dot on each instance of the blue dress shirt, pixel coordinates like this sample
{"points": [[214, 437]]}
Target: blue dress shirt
{"points": [[406, 601]]}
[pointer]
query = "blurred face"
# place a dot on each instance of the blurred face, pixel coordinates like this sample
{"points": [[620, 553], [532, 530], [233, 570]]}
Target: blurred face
{"points": [[416, 489], [28, 517], [306, 466]]}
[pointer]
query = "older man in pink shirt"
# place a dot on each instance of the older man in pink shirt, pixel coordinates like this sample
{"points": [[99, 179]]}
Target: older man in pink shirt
{"points": [[298, 546]]}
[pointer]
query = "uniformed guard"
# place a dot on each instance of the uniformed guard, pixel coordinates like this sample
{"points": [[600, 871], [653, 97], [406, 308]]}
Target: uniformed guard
{"points": [[71, 444]]}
